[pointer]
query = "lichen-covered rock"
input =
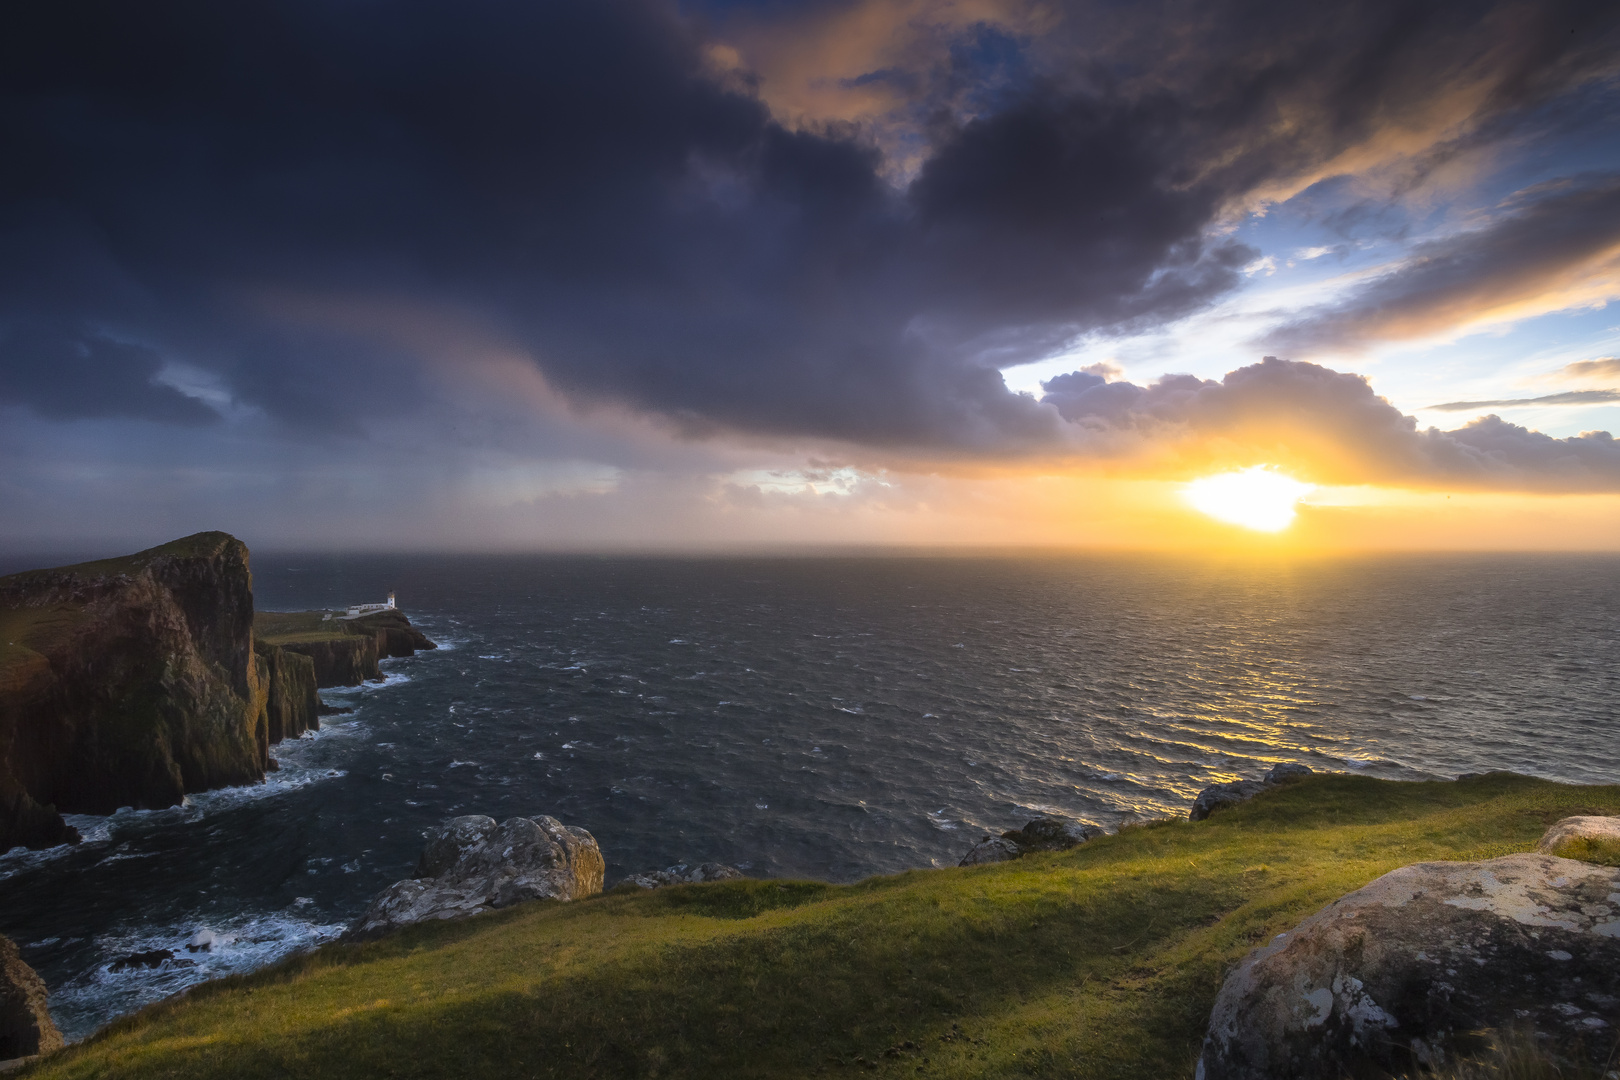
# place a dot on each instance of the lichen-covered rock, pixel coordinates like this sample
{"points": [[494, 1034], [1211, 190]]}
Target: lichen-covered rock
{"points": [[685, 874], [471, 865], [1406, 972], [25, 1023], [1589, 839], [1041, 834]]}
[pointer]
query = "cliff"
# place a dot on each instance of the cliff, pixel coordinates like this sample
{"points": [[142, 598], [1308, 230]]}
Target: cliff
{"points": [[132, 681], [344, 652]]}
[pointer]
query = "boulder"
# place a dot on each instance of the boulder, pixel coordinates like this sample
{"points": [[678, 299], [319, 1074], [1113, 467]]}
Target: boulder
{"points": [[684, 874], [1041, 834], [992, 849], [1220, 796], [471, 865], [154, 958], [1286, 770], [1409, 971], [1589, 839], [25, 1022]]}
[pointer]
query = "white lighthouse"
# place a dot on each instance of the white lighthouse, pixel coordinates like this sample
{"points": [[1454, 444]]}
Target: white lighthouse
{"points": [[356, 610]]}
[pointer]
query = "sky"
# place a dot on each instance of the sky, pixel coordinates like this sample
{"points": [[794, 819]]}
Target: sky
{"points": [[643, 275]]}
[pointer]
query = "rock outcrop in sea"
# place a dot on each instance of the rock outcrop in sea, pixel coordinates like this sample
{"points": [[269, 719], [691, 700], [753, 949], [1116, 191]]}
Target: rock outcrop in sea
{"points": [[1404, 973], [1220, 796], [25, 1023], [1041, 834], [471, 865]]}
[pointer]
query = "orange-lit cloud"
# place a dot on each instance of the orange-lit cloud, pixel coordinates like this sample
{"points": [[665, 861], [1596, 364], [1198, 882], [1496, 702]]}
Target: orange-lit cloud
{"points": [[1326, 426], [1603, 369]]}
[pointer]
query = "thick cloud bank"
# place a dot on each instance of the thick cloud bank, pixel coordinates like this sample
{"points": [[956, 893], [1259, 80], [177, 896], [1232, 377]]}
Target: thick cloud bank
{"points": [[204, 205], [1332, 425]]}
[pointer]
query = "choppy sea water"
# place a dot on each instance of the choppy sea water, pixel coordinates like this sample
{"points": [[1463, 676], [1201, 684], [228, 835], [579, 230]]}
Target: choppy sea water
{"points": [[822, 717]]}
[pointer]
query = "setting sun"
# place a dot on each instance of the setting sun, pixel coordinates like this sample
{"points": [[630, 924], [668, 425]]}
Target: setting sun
{"points": [[1256, 498]]}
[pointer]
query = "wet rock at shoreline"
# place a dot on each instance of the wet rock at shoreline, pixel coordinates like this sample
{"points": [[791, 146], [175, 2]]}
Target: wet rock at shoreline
{"points": [[1041, 834], [1406, 973], [25, 1023], [685, 874], [471, 865], [155, 958], [1221, 796]]}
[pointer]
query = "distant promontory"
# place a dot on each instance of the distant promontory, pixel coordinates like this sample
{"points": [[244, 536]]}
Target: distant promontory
{"points": [[137, 680]]}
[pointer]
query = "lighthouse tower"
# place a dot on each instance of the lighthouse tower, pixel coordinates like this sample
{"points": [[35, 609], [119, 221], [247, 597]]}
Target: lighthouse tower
{"points": [[390, 601]]}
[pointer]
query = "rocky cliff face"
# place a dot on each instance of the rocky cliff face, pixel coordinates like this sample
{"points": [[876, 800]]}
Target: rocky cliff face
{"points": [[130, 682], [25, 1023], [292, 706], [346, 651]]}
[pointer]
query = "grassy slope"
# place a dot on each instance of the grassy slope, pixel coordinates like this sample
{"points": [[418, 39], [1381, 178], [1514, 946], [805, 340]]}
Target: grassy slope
{"points": [[1098, 962], [285, 627]]}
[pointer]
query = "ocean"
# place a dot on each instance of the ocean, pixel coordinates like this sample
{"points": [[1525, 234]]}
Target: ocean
{"points": [[827, 718]]}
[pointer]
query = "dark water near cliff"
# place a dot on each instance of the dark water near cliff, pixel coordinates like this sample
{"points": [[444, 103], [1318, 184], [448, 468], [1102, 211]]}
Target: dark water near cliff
{"points": [[829, 718]]}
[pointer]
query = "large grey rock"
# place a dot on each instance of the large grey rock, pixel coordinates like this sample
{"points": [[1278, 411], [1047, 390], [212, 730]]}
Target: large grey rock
{"points": [[1220, 796], [1041, 834], [685, 874], [1583, 837], [25, 1022], [471, 865], [1284, 771], [992, 849], [1403, 973]]}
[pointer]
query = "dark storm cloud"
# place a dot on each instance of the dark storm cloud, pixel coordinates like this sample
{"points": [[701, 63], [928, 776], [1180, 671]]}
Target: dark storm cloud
{"points": [[66, 374], [181, 177], [1539, 253], [1332, 424]]}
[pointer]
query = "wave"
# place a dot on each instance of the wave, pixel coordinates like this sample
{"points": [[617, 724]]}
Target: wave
{"points": [[238, 944]]}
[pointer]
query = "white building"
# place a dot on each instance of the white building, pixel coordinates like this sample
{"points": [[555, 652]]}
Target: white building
{"points": [[367, 609]]}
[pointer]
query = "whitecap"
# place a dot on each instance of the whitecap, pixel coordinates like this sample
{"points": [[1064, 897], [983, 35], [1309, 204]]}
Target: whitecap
{"points": [[237, 945]]}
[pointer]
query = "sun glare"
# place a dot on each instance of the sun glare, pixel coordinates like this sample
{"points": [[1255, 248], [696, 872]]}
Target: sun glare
{"points": [[1256, 498]]}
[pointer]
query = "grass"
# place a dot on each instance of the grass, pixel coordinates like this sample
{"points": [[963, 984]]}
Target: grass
{"points": [[25, 632], [197, 545], [1099, 962], [1516, 1055], [286, 627], [1592, 849]]}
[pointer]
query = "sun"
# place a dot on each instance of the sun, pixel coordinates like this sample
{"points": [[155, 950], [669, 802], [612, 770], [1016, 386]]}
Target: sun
{"points": [[1257, 498]]}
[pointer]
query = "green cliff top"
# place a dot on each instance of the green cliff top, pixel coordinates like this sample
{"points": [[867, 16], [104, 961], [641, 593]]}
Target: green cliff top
{"points": [[1102, 961], [288, 627], [201, 545], [27, 631]]}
